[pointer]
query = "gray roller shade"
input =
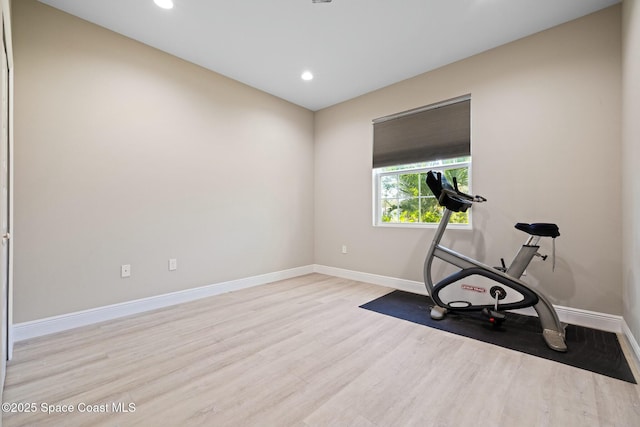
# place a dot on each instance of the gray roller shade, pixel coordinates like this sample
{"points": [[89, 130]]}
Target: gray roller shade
{"points": [[437, 131]]}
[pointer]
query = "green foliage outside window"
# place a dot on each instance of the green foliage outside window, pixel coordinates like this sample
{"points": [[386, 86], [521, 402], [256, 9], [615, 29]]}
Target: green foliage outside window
{"points": [[406, 198]]}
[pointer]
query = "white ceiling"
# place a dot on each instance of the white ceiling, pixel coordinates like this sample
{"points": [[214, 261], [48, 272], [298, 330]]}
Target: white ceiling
{"points": [[351, 46]]}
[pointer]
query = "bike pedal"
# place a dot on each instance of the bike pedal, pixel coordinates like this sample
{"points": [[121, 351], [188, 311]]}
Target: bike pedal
{"points": [[495, 317]]}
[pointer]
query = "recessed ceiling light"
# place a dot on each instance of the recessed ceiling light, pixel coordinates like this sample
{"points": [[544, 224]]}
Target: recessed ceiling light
{"points": [[165, 4], [306, 76]]}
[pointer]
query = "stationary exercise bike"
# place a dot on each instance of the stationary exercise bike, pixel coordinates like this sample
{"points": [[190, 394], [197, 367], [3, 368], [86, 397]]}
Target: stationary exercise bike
{"points": [[478, 287]]}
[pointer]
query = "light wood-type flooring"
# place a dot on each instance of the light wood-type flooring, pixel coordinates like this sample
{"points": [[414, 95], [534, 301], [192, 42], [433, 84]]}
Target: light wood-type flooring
{"points": [[298, 353]]}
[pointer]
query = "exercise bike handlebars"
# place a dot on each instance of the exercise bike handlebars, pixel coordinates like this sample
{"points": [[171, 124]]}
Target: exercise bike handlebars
{"points": [[449, 195]]}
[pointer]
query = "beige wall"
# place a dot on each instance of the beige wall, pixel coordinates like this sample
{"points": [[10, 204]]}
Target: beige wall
{"points": [[631, 155], [545, 145], [125, 154]]}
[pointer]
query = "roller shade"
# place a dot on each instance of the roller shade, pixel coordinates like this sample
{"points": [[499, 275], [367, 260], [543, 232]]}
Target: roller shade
{"points": [[437, 131]]}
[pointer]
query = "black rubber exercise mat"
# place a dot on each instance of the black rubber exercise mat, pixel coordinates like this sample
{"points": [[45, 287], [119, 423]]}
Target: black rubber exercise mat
{"points": [[591, 349]]}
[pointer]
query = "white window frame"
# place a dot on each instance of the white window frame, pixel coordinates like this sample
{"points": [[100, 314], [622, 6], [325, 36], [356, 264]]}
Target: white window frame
{"points": [[436, 166]]}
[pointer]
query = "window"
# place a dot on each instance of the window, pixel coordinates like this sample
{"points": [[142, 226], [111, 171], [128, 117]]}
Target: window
{"points": [[403, 197], [409, 144]]}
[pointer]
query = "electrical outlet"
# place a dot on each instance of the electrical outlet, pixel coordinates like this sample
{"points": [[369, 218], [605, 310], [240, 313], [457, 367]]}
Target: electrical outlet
{"points": [[173, 264], [125, 270], [344, 249]]}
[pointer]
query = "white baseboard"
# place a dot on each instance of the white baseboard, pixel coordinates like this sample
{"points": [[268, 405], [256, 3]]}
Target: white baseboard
{"points": [[590, 319], [40, 327], [575, 316], [376, 279], [50, 325], [633, 343]]}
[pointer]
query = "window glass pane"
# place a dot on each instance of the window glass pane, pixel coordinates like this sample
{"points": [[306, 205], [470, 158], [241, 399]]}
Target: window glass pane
{"points": [[389, 186], [408, 184], [390, 211], [409, 210], [424, 188], [459, 218], [461, 175], [431, 211]]}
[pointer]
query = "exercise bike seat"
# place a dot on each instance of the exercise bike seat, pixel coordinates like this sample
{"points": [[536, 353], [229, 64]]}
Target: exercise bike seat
{"points": [[542, 229]]}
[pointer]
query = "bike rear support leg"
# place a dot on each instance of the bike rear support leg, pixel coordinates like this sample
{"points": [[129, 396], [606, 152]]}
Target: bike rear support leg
{"points": [[552, 328]]}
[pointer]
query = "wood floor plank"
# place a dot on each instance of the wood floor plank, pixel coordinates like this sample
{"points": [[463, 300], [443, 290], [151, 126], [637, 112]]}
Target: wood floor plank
{"points": [[298, 352]]}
